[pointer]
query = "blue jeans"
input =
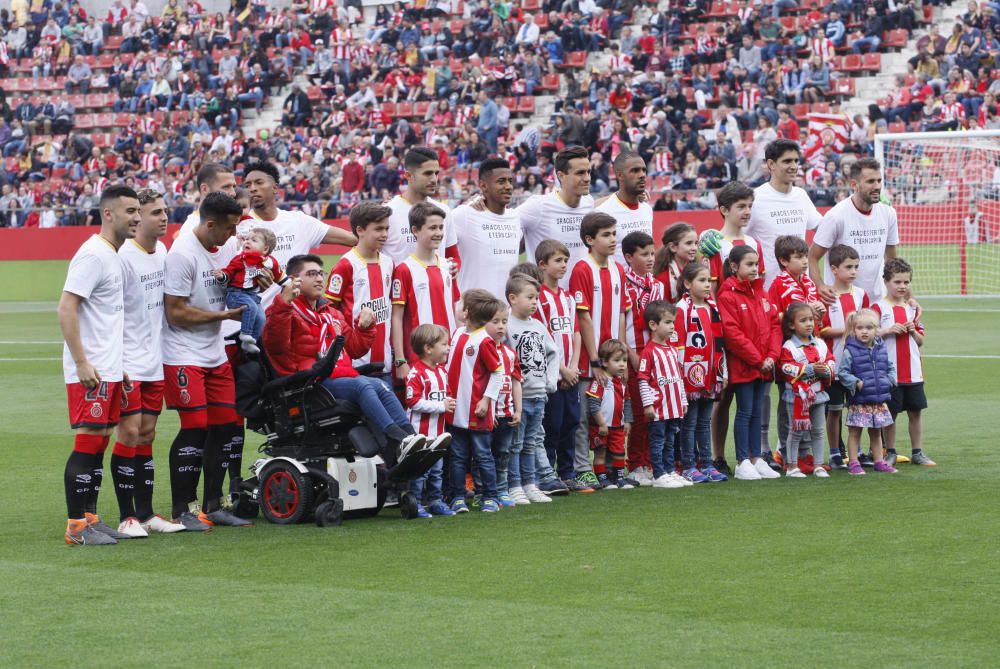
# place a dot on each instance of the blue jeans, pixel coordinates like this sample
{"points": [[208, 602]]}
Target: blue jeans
{"points": [[500, 444], [746, 426], [463, 444], [376, 401], [252, 320], [431, 482], [662, 437], [562, 418], [870, 43], [529, 435], [697, 433]]}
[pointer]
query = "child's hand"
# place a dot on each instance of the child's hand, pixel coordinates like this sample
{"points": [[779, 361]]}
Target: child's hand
{"points": [[482, 407], [767, 365], [449, 404], [600, 376], [570, 376], [898, 328], [602, 430], [649, 413], [515, 419], [219, 275], [819, 309], [861, 384], [911, 326]]}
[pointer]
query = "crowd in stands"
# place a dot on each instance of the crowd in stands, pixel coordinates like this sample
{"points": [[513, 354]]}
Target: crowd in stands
{"points": [[698, 88]]}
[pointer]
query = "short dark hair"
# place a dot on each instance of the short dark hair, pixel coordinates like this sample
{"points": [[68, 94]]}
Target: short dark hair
{"points": [[548, 248], [628, 154], [566, 155], [612, 348], [593, 223], [217, 205], [733, 192], [209, 171], [262, 166], [116, 193], [896, 266], [842, 252], [634, 241], [421, 211], [530, 269], [480, 307], [736, 257], [656, 310], [786, 246], [296, 263], [863, 164], [147, 195], [364, 214], [518, 282], [780, 147], [788, 318], [490, 164], [417, 156]]}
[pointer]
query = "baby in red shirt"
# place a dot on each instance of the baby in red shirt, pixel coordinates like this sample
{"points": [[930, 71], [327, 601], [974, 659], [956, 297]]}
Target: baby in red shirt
{"points": [[243, 289]]}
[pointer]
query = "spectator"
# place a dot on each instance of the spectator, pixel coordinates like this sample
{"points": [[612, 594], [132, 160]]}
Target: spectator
{"points": [[528, 33], [486, 126], [870, 37], [297, 108]]}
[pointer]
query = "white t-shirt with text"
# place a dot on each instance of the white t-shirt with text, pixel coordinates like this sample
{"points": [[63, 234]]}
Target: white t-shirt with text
{"points": [[775, 214], [869, 234]]}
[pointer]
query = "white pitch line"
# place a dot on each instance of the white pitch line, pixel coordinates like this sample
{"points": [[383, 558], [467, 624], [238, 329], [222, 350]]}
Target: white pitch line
{"points": [[11, 342], [962, 357]]}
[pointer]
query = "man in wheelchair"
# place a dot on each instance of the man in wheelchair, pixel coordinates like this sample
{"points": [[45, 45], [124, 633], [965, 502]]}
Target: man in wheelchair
{"points": [[302, 326]]}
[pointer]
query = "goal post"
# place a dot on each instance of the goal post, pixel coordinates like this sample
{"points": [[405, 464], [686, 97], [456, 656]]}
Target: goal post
{"points": [[945, 187]]}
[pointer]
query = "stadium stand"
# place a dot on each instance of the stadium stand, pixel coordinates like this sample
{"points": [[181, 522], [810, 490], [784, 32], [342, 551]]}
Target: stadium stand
{"points": [[697, 87]]}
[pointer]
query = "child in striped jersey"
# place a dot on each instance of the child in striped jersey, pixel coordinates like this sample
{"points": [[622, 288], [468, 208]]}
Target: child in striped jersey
{"points": [[507, 416], [663, 399], [427, 402], [844, 263], [903, 332], [680, 246], [610, 412]]}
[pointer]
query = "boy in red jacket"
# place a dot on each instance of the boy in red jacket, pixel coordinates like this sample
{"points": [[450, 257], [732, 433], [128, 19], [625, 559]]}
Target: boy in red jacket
{"points": [[753, 343], [242, 289]]}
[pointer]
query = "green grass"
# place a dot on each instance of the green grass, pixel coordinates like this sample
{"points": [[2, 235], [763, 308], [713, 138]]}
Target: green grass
{"points": [[938, 268], [881, 571]]}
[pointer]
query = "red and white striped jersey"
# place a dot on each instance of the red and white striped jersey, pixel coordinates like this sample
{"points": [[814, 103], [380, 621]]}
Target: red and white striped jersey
{"points": [[474, 372], [147, 125], [661, 162], [837, 313], [317, 6], [557, 311], [660, 382], [428, 295], [426, 391], [622, 62], [717, 262], [92, 164], [704, 44], [641, 290], [822, 47], [601, 292], [340, 43], [612, 397], [748, 100], [150, 162], [356, 283], [511, 373], [902, 349], [953, 112]]}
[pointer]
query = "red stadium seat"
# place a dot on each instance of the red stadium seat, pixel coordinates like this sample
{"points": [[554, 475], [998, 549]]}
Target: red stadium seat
{"points": [[896, 39], [871, 62], [526, 105], [550, 82], [404, 109], [577, 59], [852, 63], [530, 5], [389, 109], [421, 108], [820, 108]]}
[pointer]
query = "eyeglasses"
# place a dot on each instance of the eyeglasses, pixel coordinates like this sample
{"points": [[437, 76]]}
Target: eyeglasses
{"points": [[313, 273]]}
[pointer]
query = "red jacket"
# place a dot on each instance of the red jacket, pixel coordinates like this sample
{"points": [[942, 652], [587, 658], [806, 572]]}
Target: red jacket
{"points": [[295, 336], [750, 327]]}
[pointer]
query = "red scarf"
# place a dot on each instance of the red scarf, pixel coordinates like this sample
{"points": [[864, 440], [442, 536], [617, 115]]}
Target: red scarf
{"points": [[804, 388], [704, 362], [325, 327]]}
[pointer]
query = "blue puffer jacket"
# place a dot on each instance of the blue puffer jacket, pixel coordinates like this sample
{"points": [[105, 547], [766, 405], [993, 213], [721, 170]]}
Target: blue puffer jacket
{"points": [[869, 365]]}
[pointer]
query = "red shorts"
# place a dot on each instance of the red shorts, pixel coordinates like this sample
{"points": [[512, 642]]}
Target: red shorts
{"points": [[97, 408], [614, 441], [145, 397], [202, 396]]}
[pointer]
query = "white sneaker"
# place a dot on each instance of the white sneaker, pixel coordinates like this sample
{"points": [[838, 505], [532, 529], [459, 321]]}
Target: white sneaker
{"points": [[132, 528], [680, 479], [821, 473], [535, 496], [410, 444], [795, 473], [667, 481], [747, 472], [161, 525], [517, 494], [644, 476], [765, 471]]}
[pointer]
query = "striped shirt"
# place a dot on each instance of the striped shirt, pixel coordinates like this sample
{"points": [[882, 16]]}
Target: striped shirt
{"points": [[837, 313], [716, 263], [511, 373], [428, 295], [901, 348], [601, 292], [557, 311], [613, 400], [786, 289], [660, 382], [641, 290], [426, 391], [474, 372], [356, 283]]}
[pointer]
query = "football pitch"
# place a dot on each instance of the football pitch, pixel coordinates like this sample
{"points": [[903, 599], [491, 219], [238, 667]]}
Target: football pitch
{"points": [[874, 571]]}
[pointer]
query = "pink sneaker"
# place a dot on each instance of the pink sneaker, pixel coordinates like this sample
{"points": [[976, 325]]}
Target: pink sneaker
{"points": [[884, 467], [854, 468]]}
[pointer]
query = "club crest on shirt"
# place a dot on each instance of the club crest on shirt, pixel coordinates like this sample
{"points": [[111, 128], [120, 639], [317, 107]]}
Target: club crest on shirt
{"points": [[470, 351], [336, 283]]}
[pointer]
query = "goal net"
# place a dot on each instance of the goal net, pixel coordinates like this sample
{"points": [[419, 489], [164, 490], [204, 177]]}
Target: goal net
{"points": [[945, 187]]}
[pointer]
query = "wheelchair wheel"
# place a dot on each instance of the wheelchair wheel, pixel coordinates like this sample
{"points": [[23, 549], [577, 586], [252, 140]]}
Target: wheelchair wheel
{"points": [[330, 513], [286, 494], [408, 505]]}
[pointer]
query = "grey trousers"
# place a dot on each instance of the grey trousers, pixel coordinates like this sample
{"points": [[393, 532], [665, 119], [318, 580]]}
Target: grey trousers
{"points": [[814, 439]]}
